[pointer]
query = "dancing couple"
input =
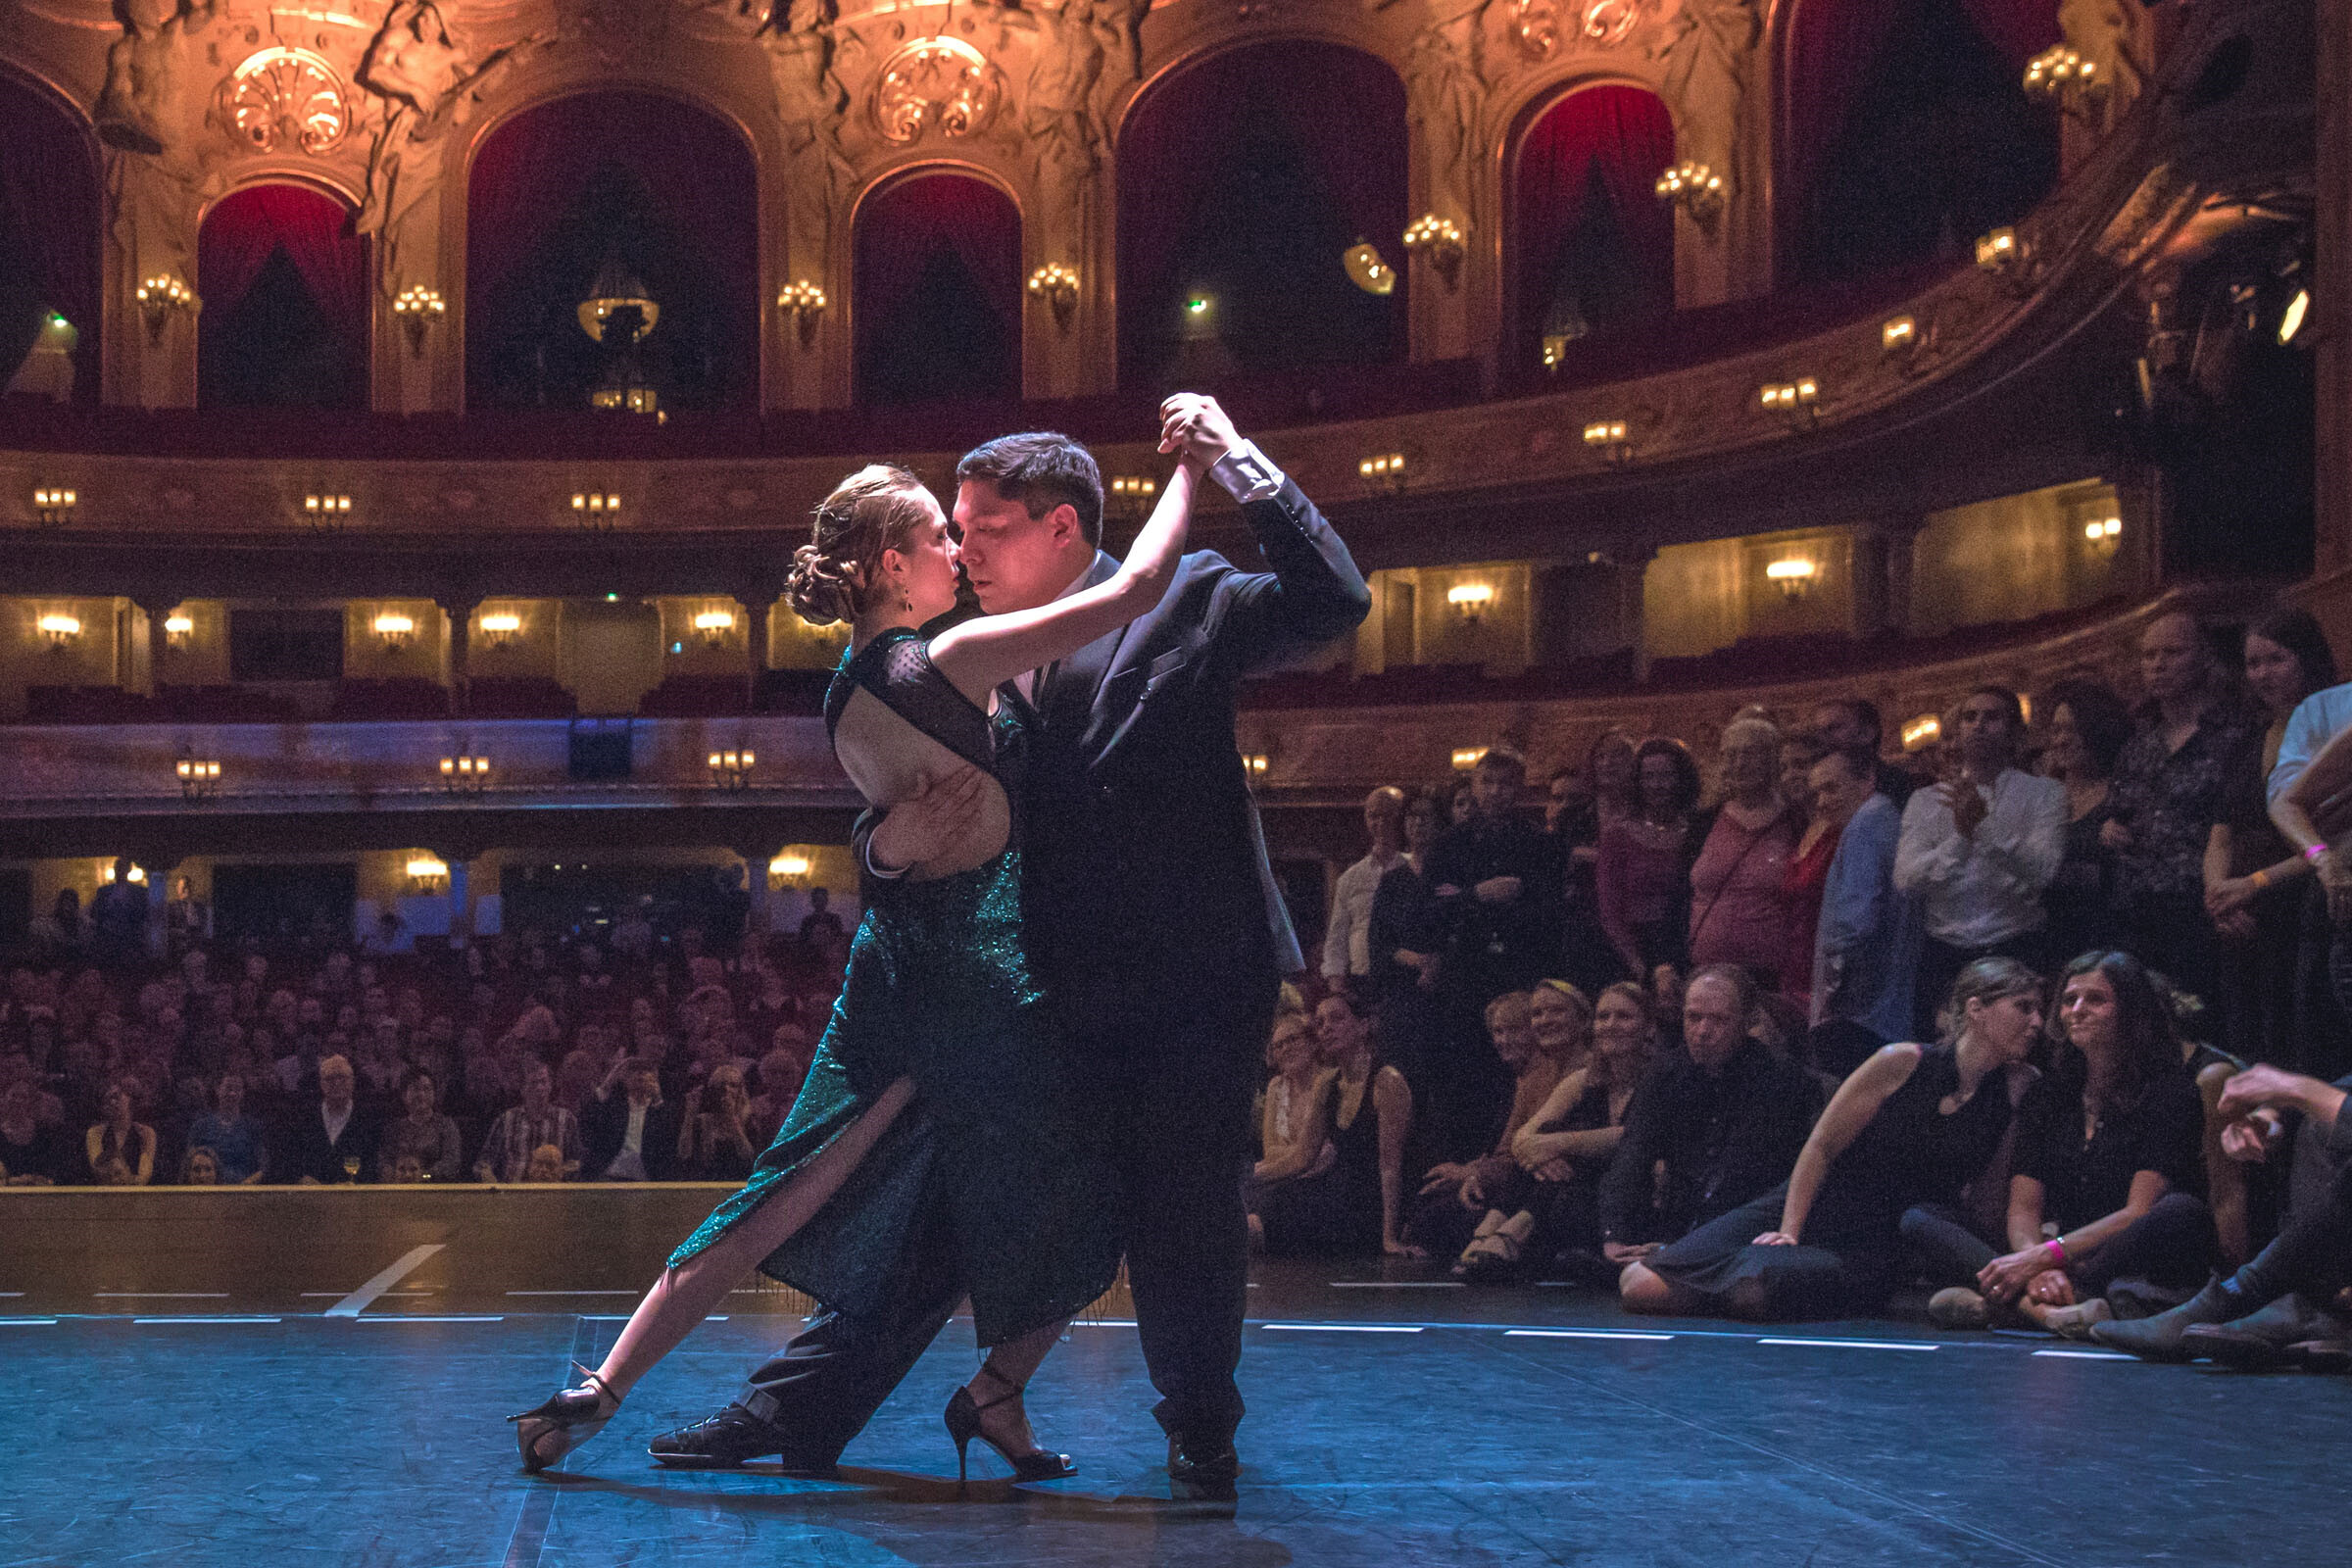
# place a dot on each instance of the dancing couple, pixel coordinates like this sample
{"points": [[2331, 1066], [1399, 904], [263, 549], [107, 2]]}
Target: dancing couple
{"points": [[1046, 1046]]}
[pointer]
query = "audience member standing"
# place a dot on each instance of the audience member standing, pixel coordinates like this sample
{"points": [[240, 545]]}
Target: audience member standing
{"points": [[1403, 939], [1642, 877], [1610, 769], [2170, 787], [2256, 884], [1852, 724], [1710, 1128], [1977, 849], [2088, 729], [119, 919], [1496, 889], [1866, 942], [1805, 884], [1348, 936], [1737, 912]]}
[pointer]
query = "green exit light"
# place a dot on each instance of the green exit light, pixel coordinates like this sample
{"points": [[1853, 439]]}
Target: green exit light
{"points": [[1197, 304]]}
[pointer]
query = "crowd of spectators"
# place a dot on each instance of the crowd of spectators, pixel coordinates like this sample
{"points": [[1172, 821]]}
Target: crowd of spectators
{"points": [[620, 1054], [2041, 1016]]}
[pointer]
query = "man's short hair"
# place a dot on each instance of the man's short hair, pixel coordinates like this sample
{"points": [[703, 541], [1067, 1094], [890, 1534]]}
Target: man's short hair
{"points": [[2008, 700], [1863, 712], [1503, 756], [1859, 761], [1040, 469]]}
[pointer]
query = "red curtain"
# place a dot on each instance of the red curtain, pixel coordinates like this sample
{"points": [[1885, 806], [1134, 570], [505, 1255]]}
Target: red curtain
{"points": [[1345, 110], [1628, 136], [49, 203], [902, 225], [246, 227]]}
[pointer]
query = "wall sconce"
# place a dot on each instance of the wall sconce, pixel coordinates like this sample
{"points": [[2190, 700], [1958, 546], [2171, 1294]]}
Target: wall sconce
{"points": [[789, 869], [2103, 536], [1796, 401], [1921, 732], [1057, 286], [1694, 189], [2065, 74], [1470, 600], [1439, 242], [199, 778], [163, 296], [177, 630], [394, 629], [136, 877], [502, 628], [1794, 578], [1386, 468], [715, 625], [1555, 349], [1466, 758], [54, 507], [417, 308], [465, 775], [596, 508], [326, 514], [1608, 438], [2007, 256], [1368, 269], [1257, 764], [732, 770], [427, 874], [60, 630], [1131, 493], [804, 303]]}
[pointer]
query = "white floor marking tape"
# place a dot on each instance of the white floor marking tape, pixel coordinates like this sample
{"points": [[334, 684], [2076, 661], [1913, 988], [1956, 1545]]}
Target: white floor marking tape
{"points": [[1857, 1345], [356, 1302], [1580, 1333]]}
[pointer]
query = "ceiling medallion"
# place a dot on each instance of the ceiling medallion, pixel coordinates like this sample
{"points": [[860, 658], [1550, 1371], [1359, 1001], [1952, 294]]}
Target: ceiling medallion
{"points": [[941, 85], [286, 95]]}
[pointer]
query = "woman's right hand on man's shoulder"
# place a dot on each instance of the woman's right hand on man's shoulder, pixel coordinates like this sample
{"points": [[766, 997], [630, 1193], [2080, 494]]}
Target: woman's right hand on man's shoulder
{"points": [[941, 813]]}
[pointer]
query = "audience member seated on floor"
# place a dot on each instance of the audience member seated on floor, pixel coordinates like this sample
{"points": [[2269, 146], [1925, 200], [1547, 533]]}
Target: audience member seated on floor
{"points": [[1866, 944], [1545, 1219], [118, 1151], [2108, 1174], [237, 1141], [420, 1132], [1709, 1129], [1348, 1201], [630, 1135], [714, 1143], [2283, 1308], [1454, 1193], [31, 1154], [1882, 1174], [1641, 878], [519, 1132], [1977, 849], [1293, 1143], [330, 1139], [1738, 914], [200, 1167]]}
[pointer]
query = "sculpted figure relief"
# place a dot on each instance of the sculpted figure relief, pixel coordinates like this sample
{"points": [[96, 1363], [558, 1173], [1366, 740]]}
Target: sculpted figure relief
{"points": [[2113, 35], [1442, 98], [1707, 49], [151, 116], [805, 59]]}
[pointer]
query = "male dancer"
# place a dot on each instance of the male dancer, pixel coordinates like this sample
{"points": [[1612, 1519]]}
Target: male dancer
{"points": [[1151, 915]]}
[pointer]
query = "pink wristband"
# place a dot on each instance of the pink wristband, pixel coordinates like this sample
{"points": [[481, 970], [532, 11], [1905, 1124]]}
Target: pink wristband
{"points": [[2057, 1249], [2314, 853]]}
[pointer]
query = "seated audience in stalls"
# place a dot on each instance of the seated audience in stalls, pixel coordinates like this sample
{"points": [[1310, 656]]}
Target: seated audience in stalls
{"points": [[1545, 1216], [2106, 1190], [2286, 1307], [1710, 1128], [1882, 1174], [1348, 1203], [1453, 1193], [118, 1150]]}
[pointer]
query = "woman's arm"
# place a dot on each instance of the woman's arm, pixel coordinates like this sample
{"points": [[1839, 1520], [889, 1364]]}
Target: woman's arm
{"points": [[2006, 1277], [982, 653], [1530, 1147], [146, 1170], [1392, 1103], [1299, 1155], [1859, 1099], [2147, 1186]]}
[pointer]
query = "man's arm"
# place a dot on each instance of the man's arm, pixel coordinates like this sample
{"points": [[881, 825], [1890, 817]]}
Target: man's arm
{"points": [[2025, 845], [1336, 928], [1930, 851]]}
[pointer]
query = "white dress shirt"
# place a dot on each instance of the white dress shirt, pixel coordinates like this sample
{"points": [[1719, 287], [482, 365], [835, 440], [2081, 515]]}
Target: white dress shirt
{"points": [[1986, 887], [1348, 943]]}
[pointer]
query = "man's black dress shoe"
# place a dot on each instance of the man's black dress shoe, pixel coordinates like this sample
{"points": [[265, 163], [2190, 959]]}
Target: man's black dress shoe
{"points": [[731, 1439], [1203, 1469]]}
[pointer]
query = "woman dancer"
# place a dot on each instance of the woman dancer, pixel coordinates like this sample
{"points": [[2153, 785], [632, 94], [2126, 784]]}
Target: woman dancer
{"points": [[939, 1004]]}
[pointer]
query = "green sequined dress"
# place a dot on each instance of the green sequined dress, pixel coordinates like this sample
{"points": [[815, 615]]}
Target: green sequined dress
{"points": [[990, 1158]]}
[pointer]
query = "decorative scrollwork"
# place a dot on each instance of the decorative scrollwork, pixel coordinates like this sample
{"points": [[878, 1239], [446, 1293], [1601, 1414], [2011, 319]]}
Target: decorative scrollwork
{"points": [[941, 85], [1606, 23], [287, 95]]}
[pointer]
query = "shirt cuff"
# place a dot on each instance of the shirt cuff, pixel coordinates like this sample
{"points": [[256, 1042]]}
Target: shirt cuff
{"points": [[1246, 475]]}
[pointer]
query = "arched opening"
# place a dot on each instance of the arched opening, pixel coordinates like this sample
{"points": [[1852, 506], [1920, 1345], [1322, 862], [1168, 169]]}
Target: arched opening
{"points": [[1906, 132], [1244, 180], [49, 276], [615, 195], [1592, 247], [935, 291], [283, 277]]}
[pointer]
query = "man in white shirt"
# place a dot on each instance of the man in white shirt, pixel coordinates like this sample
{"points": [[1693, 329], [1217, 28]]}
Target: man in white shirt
{"points": [[1346, 944], [1977, 849]]}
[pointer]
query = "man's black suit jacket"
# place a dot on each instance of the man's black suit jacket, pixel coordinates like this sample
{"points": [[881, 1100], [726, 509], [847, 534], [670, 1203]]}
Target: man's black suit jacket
{"points": [[303, 1149], [605, 1127]]}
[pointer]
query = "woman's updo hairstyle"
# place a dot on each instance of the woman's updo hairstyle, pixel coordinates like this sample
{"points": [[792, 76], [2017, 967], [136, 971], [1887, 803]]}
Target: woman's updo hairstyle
{"points": [[876, 509]]}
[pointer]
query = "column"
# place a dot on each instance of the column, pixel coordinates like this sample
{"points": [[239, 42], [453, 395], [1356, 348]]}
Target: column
{"points": [[460, 611], [461, 900], [159, 639], [1632, 575], [755, 882]]}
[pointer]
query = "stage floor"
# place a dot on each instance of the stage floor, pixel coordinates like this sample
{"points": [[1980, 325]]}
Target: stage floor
{"points": [[1391, 1421]]}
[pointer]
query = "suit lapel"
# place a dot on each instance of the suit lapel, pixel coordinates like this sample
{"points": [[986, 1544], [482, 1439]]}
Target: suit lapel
{"points": [[1065, 690]]}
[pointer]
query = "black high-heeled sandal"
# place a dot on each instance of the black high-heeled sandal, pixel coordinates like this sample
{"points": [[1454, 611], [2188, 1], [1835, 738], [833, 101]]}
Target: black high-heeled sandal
{"points": [[573, 1415], [963, 1425]]}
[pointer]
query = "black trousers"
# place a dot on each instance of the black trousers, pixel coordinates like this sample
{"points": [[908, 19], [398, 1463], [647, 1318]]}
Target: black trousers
{"points": [[1179, 1095]]}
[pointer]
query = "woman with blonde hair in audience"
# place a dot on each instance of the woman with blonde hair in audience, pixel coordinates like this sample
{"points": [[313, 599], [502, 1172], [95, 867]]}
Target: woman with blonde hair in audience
{"points": [[1360, 1111], [1905, 1135], [1738, 915], [1293, 1143], [1548, 1207], [1454, 1193]]}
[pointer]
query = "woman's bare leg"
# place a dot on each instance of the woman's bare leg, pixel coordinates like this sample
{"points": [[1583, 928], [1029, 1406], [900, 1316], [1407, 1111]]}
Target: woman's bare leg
{"points": [[995, 1389], [686, 1295]]}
